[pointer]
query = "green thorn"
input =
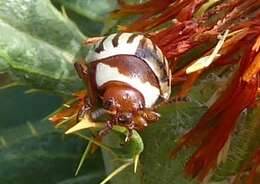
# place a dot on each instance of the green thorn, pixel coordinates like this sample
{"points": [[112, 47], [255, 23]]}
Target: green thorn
{"points": [[3, 141], [65, 121], [66, 105], [13, 84], [85, 123], [97, 143], [115, 172], [32, 129], [200, 12], [63, 11], [30, 91], [136, 161], [83, 157]]}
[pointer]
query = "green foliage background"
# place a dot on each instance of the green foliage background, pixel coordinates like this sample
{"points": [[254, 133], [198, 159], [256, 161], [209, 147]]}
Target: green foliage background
{"points": [[38, 42]]}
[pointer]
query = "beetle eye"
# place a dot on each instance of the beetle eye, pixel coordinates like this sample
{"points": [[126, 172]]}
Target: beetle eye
{"points": [[107, 104], [126, 117]]}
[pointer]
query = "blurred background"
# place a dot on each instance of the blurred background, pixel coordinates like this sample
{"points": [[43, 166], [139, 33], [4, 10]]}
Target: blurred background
{"points": [[38, 42], [32, 150]]}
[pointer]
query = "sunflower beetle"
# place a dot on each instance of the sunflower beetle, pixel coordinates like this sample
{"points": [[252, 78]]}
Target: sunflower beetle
{"points": [[126, 76]]}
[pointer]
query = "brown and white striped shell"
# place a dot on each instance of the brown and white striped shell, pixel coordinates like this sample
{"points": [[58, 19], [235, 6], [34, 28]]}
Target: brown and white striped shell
{"points": [[141, 47]]}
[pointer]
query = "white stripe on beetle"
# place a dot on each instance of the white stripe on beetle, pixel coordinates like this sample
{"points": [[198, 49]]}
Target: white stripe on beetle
{"points": [[123, 48], [106, 73]]}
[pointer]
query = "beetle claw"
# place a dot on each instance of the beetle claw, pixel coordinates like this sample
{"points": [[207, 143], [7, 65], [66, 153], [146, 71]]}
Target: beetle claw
{"points": [[107, 129], [129, 135]]}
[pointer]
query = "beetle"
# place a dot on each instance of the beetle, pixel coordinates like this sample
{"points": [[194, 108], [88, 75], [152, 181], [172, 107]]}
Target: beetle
{"points": [[126, 76]]}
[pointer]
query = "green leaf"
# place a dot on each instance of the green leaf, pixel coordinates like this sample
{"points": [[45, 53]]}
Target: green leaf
{"points": [[94, 10], [96, 14], [89, 27], [40, 20], [3, 66], [245, 141], [39, 44], [17, 108], [46, 158]]}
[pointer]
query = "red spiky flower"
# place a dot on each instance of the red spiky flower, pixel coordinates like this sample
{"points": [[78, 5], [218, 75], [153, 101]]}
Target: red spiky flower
{"points": [[188, 31]]}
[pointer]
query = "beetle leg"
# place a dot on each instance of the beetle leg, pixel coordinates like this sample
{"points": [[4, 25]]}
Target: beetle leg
{"points": [[177, 99], [98, 112], [140, 122], [173, 100], [92, 41], [82, 70], [150, 115], [129, 135], [85, 109], [107, 129], [130, 127]]}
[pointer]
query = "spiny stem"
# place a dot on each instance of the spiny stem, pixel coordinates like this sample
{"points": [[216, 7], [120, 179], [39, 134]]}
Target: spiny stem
{"points": [[115, 172]]}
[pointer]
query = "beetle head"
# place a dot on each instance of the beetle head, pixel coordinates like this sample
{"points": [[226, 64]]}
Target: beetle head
{"points": [[123, 100]]}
